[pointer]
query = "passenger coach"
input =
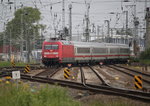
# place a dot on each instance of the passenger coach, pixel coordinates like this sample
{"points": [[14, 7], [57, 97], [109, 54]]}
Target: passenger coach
{"points": [[58, 52]]}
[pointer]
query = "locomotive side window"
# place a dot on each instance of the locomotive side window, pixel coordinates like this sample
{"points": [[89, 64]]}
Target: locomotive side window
{"points": [[83, 50], [99, 50], [51, 47]]}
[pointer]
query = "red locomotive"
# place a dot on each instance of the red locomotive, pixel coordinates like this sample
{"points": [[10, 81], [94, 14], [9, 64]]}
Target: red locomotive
{"points": [[64, 52]]}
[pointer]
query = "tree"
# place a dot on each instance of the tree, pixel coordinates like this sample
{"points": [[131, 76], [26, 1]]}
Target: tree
{"points": [[145, 54], [23, 23], [24, 27], [1, 38]]}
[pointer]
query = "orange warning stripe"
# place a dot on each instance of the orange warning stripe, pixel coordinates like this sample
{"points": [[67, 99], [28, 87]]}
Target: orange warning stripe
{"points": [[138, 79], [138, 82], [27, 69], [66, 76], [66, 73], [13, 64], [137, 85]]}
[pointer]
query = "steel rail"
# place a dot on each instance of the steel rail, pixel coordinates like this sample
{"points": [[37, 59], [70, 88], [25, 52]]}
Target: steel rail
{"points": [[144, 80], [18, 67], [97, 74], [49, 73], [7, 70], [148, 75], [82, 77]]}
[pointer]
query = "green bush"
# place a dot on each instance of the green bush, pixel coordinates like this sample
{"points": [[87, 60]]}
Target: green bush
{"points": [[145, 55], [27, 96]]}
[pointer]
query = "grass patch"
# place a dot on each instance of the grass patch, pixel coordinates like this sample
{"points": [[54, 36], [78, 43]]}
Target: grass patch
{"points": [[147, 62], [25, 96], [4, 64], [8, 64]]}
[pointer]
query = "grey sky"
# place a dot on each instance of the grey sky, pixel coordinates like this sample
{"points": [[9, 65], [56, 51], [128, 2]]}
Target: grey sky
{"points": [[99, 11]]}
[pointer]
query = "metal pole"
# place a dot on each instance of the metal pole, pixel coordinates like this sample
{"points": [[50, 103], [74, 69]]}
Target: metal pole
{"points": [[28, 46], [126, 12], [136, 37], [98, 30], [87, 23], [147, 37], [111, 38], [70, 22], [108, 31], [145, 6], [126, 22], [34, 40], [63, 14], [102, 34], [4, 39], [21, 48], [10, 45]]}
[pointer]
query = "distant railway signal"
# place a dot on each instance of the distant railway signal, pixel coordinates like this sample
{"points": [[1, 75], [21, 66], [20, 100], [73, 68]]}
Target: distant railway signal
{"points": [[101, 63], [69, 66]]}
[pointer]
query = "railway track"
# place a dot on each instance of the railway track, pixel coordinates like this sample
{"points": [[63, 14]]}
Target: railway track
{"points": [[93, 88], [49, 72], [120, 69], [97, 74], [138, 95], [16, 68], [21, 67]]}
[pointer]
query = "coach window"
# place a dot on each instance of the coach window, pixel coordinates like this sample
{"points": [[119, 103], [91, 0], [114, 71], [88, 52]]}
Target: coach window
{"points": [[51, 47], [114, 50], [124, 50], [99, 50], [83, 50]]}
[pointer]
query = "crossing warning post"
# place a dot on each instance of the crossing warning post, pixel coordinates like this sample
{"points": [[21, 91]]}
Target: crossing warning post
{"points": [[66, 73], [138, 82], [13, 64], [27, 69]]}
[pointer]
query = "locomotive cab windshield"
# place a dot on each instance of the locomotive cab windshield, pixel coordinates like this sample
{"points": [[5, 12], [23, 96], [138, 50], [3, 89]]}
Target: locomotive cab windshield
{"points": [[51, 47]]}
